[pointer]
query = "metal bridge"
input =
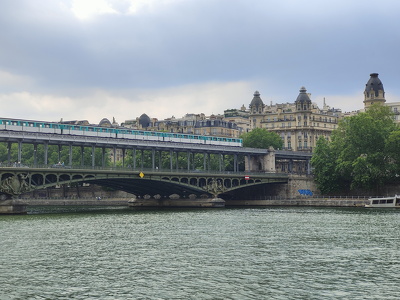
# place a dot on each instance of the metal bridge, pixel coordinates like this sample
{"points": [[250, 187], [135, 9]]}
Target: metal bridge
{"points": [[250, 167], [142, 183]]}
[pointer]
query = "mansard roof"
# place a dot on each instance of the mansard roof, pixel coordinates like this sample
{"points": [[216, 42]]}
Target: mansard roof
{"points": [[374, 84], [303, 96]]}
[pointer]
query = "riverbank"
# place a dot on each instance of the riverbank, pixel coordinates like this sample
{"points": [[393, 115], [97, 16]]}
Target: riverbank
{"points": [[323, 202], [77, 202]]}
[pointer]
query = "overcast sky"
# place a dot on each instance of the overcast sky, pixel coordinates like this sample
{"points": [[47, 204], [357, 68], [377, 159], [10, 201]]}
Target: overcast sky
{"points": [[94, 59]]}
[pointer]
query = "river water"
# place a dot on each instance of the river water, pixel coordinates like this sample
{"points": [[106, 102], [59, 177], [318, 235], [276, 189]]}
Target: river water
{"points": [[256, 253]]}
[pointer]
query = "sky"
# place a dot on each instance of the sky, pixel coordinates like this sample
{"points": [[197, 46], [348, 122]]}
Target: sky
{"points": [[95, 59]]}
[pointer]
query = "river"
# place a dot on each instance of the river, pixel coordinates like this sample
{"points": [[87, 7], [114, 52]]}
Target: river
{"points": [[253, 253]]}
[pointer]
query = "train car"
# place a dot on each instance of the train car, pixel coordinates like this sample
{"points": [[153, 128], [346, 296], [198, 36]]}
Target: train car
{"points": [[105, 132]]}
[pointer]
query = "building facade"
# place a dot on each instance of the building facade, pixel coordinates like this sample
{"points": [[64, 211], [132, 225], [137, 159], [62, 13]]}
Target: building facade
{"points": [[299, 124], [197, 124]]}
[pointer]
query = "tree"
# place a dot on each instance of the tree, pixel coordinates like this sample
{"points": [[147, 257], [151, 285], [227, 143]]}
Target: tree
{"points": [[261, 138], [324, 164], [393, 152], [361, 152]]}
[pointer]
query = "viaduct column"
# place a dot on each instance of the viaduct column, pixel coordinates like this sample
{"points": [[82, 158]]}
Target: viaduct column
{"points": [[70, 155], [170, 160], [19, 151], [34, 155], [134, 158], [269, 161], [46, 152], [93, 156], [9, 153]]}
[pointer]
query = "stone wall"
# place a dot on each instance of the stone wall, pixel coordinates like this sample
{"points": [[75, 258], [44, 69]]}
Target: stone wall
{"points": [[87, 192]]}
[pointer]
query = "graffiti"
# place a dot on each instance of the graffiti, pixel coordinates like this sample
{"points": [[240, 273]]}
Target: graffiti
{"points": [[305, 192]]}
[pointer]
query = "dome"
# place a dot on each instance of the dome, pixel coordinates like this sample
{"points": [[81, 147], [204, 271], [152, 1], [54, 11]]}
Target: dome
{"points": [[256, 100], [374, 84], [256, 104], [105, 122], [303, 96], [144, 121]]}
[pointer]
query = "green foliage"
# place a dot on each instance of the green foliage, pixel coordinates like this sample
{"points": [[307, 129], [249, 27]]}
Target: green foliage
{"points": [[363, 152], [262, 138], [324, 164], [393, 152], [54, 155]]}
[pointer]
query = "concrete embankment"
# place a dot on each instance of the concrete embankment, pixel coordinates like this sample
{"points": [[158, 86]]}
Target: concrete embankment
{"points": [[321, 202], [318, 202], [77, 202]]}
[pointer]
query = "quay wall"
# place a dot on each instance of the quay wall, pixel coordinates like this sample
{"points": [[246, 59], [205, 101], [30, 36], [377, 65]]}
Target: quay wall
{"points": [[77, 202], [318, 202]]}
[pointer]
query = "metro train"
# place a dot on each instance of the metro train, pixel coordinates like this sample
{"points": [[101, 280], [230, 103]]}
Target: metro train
{"points": [[122, 133]]}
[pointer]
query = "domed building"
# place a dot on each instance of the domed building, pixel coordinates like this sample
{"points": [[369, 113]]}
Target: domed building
{"points": [[144, 121], [256, 105], [374, 92], [256, 109], [105, 123], [299, 123], [303, 101]]}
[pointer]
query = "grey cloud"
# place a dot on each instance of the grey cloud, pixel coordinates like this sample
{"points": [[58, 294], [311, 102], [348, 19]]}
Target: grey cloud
{"points": [[328, 47]]}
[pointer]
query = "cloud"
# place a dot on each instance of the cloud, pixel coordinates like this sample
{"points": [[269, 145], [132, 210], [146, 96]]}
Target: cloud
{"points": [[85, 9], [140, 52], [348, 103], [13, 81], [93, 105]]}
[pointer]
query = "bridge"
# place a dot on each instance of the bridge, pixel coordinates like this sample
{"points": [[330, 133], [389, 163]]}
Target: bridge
{"points": [[144, 183], [155, 169]]}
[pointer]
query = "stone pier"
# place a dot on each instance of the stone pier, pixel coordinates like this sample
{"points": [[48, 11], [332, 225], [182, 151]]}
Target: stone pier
{"points": [[12, 207]]}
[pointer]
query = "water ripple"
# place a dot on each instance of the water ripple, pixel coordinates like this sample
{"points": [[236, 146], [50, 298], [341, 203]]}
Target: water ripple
{"points": [[273, 253]]}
